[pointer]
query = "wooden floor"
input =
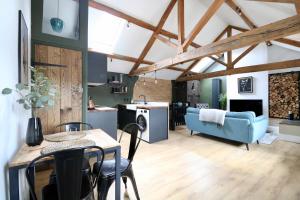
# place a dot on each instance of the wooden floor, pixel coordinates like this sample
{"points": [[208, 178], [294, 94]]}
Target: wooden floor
{"points": [[188, 167]]}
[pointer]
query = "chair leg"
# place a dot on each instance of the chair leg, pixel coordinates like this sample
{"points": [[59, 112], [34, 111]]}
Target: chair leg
{"points": [[131, 177], [257, 141], [103, 187], [247, 146], [191, 132], [125, 181]]}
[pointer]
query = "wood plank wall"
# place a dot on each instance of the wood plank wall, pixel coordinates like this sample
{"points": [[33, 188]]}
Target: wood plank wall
{"points": [[162, 91], [68, 104]]}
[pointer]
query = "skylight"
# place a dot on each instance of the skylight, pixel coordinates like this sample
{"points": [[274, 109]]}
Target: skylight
{"points": [[104, 31], [202, 65]]}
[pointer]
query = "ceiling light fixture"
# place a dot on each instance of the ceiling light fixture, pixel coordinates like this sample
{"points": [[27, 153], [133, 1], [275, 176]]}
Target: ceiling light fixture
{"points": [[144, 79], [155, 81], [57, 24]]}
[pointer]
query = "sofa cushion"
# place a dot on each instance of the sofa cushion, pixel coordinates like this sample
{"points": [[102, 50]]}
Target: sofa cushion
{"points": [[192, 110], [242, 115]]}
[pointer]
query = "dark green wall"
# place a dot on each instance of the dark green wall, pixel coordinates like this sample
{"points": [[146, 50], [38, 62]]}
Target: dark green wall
{"points": [[103, 96], [206, 85], [37, 37]]}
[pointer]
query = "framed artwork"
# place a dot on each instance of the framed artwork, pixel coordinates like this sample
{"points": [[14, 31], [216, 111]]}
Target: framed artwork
{"points": [[23, 50], [245, 84]]}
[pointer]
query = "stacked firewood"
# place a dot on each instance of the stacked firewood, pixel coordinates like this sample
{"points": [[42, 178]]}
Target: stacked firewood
{"points": [[284, 94]]}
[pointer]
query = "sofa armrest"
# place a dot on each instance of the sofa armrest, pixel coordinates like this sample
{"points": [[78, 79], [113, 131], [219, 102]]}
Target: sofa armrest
{"points": [[260, 118]]}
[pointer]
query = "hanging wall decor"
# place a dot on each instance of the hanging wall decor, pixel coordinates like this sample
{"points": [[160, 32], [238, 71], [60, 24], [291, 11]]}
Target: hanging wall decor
{"points": [[245, 84], [23, 50]]}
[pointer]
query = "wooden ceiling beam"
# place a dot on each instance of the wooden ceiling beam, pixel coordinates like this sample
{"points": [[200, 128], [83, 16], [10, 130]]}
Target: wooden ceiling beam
{"points": [[130, 19], [276, 1], [180, 19], [166, 41], [229, 53], [297, 6], [247, 69], [281, 40], [202, 22], [195, 62], [153, 38], [289, 42], [187, 70], [122, 57], [273, 31], [248, 50]]}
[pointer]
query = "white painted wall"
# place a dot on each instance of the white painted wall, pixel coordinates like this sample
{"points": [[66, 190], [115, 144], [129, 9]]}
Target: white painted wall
{"points": [[13, 119], [260, 55], [260, 79]]}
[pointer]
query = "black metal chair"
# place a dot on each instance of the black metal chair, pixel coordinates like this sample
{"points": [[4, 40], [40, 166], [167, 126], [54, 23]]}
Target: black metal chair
{"points": [[75, 126], [71, 182], [107, 174]]}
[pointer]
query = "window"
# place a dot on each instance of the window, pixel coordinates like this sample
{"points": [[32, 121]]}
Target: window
{"points": [[203, 64], [104, 31]]}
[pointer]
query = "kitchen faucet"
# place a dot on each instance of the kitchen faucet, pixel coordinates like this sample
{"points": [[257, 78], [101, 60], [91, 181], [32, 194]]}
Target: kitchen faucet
{"points": [[145, 101]]}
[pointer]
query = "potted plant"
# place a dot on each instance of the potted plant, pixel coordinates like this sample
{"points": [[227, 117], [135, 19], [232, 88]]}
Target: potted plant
{"points": [[223, 101], [39, 94]]}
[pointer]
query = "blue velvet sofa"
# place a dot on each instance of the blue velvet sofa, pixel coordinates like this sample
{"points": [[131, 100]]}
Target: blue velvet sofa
{"points": [[243, 127]]}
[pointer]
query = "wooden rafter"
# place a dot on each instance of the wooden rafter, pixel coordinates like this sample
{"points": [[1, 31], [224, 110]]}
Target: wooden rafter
{"points": [[248, 50], [273, 31], [229, 53], [166, 41], [202, 22], [297, 6], [217, 60], [185, 72], [281, 40], [180, 19], [138, 22], [247, 69], [244, 17], [276, 1], [153, 38], [289, 42]]}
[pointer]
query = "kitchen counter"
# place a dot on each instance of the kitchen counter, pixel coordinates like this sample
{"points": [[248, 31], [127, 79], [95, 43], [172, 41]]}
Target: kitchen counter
{"points": [[103, 109], [104, 118], [148, 106]]}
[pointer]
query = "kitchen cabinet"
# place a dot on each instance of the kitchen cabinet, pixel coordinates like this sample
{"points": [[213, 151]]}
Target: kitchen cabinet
{"points": [[104, 118], [97, 69]]}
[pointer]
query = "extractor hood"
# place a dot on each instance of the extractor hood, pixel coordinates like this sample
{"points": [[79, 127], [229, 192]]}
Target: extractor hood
{"points": [[97, 69]]}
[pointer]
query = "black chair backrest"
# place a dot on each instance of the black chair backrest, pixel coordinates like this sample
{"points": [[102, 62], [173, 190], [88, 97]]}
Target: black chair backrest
{"points": [[68, 167], [133, 129], [75, 126]]}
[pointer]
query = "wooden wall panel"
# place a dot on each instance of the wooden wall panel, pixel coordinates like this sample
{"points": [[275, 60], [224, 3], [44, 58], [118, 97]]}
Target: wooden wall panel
{"points": [[41, 55], [54, 57], [68, 104], [162, 91]]}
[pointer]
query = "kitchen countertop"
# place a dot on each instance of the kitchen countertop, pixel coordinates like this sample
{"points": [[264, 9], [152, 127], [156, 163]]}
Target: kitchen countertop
{"points": [[149, 106], [103, 109]]}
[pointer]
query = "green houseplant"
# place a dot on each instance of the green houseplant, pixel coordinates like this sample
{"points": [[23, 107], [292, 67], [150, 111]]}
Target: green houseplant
{"points": [[40, 93], [223, 101]]}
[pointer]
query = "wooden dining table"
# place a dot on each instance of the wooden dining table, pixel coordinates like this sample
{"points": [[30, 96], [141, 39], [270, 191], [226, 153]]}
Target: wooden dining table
{"points": [[26, 154]]}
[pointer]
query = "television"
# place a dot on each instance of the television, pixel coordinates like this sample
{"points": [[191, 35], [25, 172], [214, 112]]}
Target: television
{"points": [[240, 105]]}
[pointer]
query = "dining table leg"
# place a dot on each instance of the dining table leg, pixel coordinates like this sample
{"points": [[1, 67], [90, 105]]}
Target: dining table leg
{"points": [[118, 173], [14, 183]]}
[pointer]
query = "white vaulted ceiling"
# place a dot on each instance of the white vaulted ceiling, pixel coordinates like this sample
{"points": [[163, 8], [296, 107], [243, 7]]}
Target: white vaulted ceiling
{"points": [[133, 39]]}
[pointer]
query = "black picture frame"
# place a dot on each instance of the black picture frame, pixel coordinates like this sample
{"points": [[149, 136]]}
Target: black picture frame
{"points": [[23, 50], [245, 84]]}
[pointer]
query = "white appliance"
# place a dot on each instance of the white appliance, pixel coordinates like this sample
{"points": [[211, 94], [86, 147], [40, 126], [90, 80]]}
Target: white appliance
{"points": [[143, 118]]}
